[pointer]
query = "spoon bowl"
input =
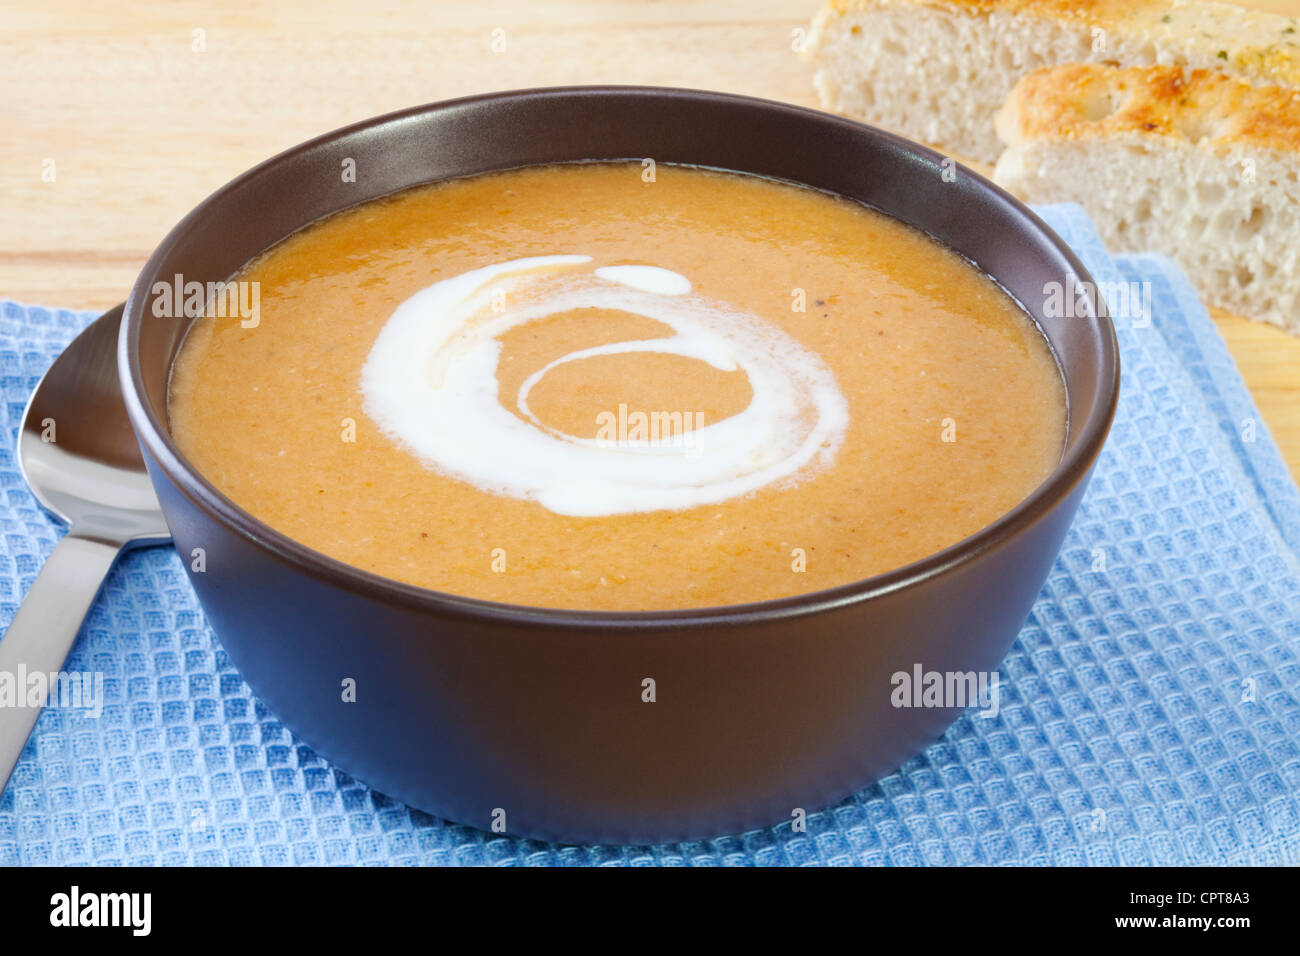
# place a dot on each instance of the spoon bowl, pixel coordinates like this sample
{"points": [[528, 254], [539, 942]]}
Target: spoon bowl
{"points": [[76, 449]]}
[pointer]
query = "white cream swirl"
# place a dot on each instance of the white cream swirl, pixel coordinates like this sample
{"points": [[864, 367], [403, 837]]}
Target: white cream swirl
{"points": [[430, 382]]}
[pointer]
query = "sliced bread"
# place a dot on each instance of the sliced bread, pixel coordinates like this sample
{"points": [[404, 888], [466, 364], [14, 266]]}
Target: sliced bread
{"points": [[938, 70], [1202, 167]]}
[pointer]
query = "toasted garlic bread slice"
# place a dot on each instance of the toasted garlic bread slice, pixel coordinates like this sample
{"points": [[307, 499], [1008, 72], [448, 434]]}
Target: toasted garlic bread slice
{"points": [[1200, 166]]}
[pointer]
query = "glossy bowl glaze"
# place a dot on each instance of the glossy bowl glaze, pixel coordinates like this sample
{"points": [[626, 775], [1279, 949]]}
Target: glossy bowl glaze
{"points": [[532, 721]]}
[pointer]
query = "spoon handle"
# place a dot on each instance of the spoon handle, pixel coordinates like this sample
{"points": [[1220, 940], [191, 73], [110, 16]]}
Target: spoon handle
{"points": [[42, 633]]}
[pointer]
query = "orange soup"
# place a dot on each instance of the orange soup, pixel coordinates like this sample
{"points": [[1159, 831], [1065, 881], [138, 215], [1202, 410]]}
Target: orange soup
{"points": [[587, 386]]}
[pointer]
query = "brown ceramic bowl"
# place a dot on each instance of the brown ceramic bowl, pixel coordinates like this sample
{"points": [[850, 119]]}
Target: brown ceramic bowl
{"points": [[482, 712]]}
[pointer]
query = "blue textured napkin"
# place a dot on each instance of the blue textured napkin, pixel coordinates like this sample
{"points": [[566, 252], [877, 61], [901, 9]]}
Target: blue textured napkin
{"points": [[1149, 707]]}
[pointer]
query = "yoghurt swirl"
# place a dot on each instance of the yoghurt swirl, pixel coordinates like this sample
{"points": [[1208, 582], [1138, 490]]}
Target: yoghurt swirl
{"points": [[430, 383]]}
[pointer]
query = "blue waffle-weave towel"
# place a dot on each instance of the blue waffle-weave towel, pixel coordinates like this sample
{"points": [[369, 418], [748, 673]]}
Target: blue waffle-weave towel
{"points": [[1149, 707]]}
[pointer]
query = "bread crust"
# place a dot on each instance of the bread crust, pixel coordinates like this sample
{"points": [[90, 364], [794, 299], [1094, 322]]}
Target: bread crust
{"points": [[1113, 11], [1083, 100]]}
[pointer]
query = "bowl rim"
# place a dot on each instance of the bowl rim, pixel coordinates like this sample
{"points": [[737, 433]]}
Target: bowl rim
{"points": [[1074, 466]]}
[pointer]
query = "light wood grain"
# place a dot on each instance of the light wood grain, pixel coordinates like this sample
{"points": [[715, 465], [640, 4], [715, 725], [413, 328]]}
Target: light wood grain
{"points": [[141, 127]]}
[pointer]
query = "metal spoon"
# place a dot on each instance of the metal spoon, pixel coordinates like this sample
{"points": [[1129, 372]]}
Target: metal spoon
{"points": [[79, 456]]}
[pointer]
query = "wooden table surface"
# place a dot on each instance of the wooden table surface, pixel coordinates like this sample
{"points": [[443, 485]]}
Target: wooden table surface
{"points": [[143, 112]]}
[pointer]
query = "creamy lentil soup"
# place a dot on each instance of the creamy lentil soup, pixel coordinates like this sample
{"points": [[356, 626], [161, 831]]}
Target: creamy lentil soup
{"points": [[579, 386]]}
